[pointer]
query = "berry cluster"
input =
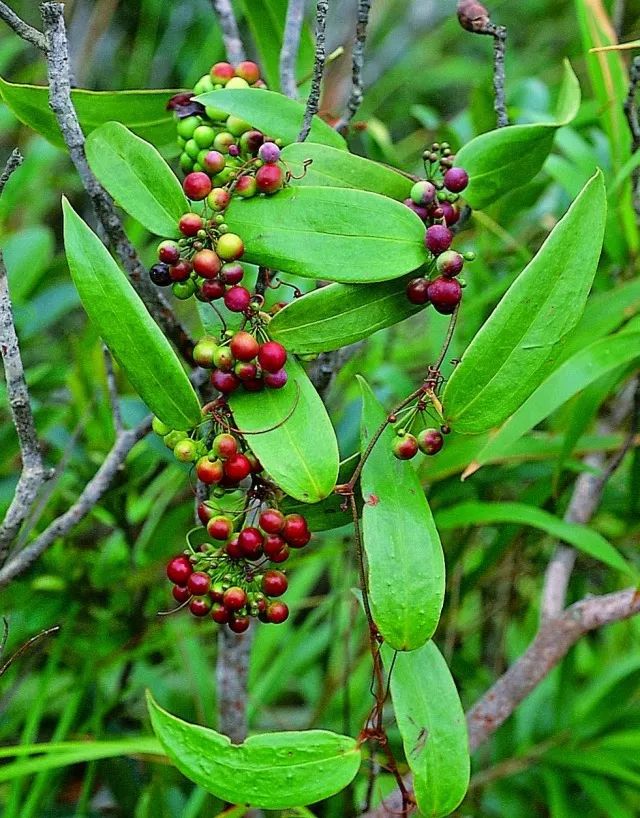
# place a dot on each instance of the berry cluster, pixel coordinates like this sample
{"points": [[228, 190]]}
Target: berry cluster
{"points": [[428, 441], [240, 359], [231, 579], [434, 201]]}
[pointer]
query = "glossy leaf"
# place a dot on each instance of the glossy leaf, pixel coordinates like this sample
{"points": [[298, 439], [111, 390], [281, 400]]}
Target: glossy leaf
{"points": [[137, 177], [571, 377], [144, 112], [330, 167], [301, 452], [126, 327], [271, 113], [581, 537], [331, 233], [328, 513], [340, 314], [507, 158], [400, 539], [272, 771], [515, 349], [433, 729]]}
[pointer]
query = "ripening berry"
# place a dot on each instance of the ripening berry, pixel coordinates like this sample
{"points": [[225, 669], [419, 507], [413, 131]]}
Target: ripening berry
{"points": [[239, 624], [179, 569], [214, 162], [230, 247], [225, 382], [249, 71], [251, 541], [223, 359], [274, 583], [445, 294], [276, 380], [237, 467], [185, 451], [190, 223], [247, 372], [180, 593], [450, 264], [246, 187], [220, 527], [456, 180], [277, 612], [200, 606], [224, 445], [237, 299], [196, 186], [222, 72], [180, 271], [423, 193], [234, 598], [438, 239], [219, 613], [204, 351], [272, 356], [233, 549], [207, 263], [250, 142], [212, 289], [256, 465], [269, 179], [160, 275], [199, 583], [168, 251], [430, 441], [205, 512], [271, 520], [417, 291], [450, 213], [420, 211], [237, 82], [405, 447], [244, 346], [218, 199], [173, 438], [209, 471], [269, 153], [223, 142], [232, 272]]}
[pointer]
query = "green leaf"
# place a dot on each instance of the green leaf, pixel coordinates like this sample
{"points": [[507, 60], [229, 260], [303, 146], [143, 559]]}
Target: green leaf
{"points": [[137, 177], [271, 113], [507, 158], [400, 539], [579, 536], [515, 349], [300, 451], [331, 233], [272, 771], [144, 112], [340, 314], [433, 729], [127, 328], [335, 168], [572, 377], [328, 513]]}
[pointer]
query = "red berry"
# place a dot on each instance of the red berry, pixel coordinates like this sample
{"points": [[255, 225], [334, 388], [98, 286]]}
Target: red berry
{"points": [[277, 612], [249, 71], [217, 592], [196, 186], [181, 593], [256, 465], [200, 606], [205, 513], [232, 272], [417, 291], [237, 299], [419, 210], [253, 384], [207, 263], [234, 598], [450, 213], [212, 289], [219, 614], [274, 583], [450, 264], [209, 471], [271, 520], [456, 180], [199, 583], [220, 527], [405, 447], [445, 294], [233, 549], [190, 223], [273, 544], [168, 251], [245, 347], [438, 239], [248, 374], [239, 624], [180, 271], [272, 356], [237, 467], [269, 178], [224, 445], [280, 556], [430, 441], [295, 529], [250, 541], [276, 380], [225, 382], [179, 570]]}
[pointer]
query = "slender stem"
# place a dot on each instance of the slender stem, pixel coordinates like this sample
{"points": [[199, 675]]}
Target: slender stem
{"points": [[112, 389], [313, 102], [230, 31], [22, 29], [290, 47], [633, 119], [357, 66]]}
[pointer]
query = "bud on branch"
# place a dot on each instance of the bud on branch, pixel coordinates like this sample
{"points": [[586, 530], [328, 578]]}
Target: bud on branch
{"points": [[473, 16]]}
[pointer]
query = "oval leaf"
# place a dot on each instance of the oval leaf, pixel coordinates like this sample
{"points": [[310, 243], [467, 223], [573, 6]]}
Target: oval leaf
{"points": [[301, 453], [137, 177], [329, 513], [330, 167], [332, 233], [514, 350], [272, 113], [579, 536], [575, 374], [433, 729], [340, 314], [144, 112], [126, 327], [400, 539], [272, 771], [507, 158]]}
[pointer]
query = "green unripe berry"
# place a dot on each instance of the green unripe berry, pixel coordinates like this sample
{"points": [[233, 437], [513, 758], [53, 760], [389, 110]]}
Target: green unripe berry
{"points": [[186, 163], [173, 438], [204, 351], [215, 114], [187, 126], [237, 126], [184, 289], [160, 428], [197, 167], [223, 228], [204, 135], [185, 451], [192, 149], [237, 82], [203, 85], [225, 176], [469, 256], [201, 157], [230, 247], [181, 142]]}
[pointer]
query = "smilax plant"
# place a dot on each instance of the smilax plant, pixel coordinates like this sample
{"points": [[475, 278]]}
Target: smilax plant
{"points": [[264, 190]]}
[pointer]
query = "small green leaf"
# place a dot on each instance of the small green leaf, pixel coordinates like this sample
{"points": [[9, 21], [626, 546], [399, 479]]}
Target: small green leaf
{"points": [[571, 377], [433, 729], [271, 113], [515, 349], [400, 539], [127, 328], [579, 536], [144, 112], [330, 167], [300, 450], [331, 233], [137, 177], [328, 513], [507, 158], [272, 771], [340, 314]]}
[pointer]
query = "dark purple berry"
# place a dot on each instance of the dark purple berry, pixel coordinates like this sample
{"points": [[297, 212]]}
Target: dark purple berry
{"points": [[160, 275], [276, 380], [456, 180], [417, 291], [445, 294], [438, 239]]}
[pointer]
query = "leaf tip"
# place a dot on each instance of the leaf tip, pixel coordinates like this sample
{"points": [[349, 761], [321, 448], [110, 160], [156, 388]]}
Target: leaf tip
{"points": [[471, 469]]}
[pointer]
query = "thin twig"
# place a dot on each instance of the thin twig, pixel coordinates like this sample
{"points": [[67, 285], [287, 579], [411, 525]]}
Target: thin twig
{"points": [[24, 30], [91, 495], [631, 112], [290, 46], [230, 31], [13, 163], [112, 389], [313, 102], [357, 65], [27, 646]]}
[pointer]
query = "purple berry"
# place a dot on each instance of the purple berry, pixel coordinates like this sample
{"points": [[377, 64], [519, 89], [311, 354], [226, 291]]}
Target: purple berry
{"points": [[422, 212], [450, 263], [276, 380], [438, 239], [456, 180], [269, 153], [445, 294]]}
